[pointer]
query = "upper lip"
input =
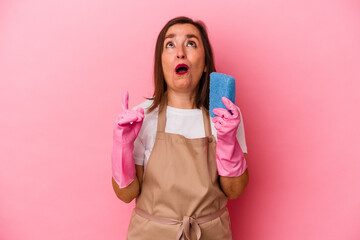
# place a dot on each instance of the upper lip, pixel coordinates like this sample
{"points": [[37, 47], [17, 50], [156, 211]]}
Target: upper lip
{"points": [[181, 65]]}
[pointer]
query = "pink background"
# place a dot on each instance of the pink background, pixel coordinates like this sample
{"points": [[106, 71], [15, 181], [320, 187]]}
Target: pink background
{"points": [[65, 64]]}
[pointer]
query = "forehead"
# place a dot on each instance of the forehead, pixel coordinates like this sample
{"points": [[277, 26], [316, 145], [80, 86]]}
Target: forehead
{"points": [[183, 29]]}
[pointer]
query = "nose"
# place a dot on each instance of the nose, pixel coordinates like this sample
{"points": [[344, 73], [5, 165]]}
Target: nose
{"points": [[180, 53]]}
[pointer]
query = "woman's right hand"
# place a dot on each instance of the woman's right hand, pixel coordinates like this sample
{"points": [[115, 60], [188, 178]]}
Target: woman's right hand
{"points": [[128, 122]]}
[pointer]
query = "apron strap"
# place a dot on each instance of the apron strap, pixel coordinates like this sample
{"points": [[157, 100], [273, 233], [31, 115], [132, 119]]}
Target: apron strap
{"points": [[207, 124], [162, 115]]}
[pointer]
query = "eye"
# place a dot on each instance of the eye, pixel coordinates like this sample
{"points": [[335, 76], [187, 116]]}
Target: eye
{"points": [[192, 44], [169, 44]]}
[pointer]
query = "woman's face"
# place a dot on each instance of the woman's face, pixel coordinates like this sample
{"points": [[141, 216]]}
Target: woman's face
{"points": [[183, 45]]}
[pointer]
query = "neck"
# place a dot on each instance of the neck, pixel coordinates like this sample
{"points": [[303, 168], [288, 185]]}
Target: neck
{"points": [[181, 100]]}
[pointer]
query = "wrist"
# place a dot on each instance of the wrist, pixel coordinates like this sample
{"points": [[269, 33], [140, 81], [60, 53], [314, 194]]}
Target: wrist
{"points": [[230, 159], [228, 139], [122, 141], [231, 168], [123, 166]]}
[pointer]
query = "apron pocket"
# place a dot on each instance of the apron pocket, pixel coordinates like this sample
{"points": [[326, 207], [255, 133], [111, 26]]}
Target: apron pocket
{"points": [[217, 229], [143, 229]]}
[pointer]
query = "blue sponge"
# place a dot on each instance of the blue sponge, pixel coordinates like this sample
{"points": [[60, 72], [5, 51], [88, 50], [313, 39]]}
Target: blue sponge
{"points": [[221, 85]]}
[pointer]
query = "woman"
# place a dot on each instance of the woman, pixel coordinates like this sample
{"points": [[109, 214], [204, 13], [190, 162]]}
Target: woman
{"points": [[180, 168]]}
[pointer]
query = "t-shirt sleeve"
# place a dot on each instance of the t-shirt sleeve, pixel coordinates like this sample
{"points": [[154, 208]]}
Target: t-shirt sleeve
{"points": [[139, 151], [139, 147], [240, 134]]}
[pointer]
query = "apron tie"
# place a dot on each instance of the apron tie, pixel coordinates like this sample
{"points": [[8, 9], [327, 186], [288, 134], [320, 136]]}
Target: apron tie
{"points": [[185, 225], [184, 230]]}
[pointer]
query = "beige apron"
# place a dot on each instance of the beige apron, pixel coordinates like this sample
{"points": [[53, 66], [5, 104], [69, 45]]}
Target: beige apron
{"points": [[180, 195]]}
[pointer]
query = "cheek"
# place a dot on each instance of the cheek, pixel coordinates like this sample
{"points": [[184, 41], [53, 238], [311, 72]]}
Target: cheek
{"points": [[166, 67], [201, 64], [201, 59], [165, 63]]}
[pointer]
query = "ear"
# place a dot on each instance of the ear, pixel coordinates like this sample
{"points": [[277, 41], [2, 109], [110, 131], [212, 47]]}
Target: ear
{"points": [[205, 69]]}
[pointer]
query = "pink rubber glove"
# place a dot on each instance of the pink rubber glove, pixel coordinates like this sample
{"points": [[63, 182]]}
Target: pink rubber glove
{"points": [[128, 124], [230, 158]]}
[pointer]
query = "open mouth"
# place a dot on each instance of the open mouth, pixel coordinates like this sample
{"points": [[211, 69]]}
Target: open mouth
{"points": [[181, 69]]}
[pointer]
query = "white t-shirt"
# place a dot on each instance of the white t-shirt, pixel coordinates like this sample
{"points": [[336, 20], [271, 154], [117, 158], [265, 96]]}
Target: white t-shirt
{"points": [[186, 122]]}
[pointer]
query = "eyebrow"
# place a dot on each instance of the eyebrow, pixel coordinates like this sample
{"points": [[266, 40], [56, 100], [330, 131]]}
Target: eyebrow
{"points": [[187, 36]]}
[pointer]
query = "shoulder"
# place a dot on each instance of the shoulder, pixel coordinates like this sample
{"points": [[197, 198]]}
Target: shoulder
{"points": [[149, 118], [145, 105]]}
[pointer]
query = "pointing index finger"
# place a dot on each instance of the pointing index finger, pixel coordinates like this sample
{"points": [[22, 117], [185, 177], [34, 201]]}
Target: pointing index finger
{"points": [[125, 103]]}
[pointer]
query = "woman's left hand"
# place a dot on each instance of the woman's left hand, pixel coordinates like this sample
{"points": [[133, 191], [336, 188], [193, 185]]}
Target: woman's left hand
{"points": [[227, 123], [229, 156]]}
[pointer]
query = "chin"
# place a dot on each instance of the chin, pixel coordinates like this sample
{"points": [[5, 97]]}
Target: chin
{"points": [[182, 86]]}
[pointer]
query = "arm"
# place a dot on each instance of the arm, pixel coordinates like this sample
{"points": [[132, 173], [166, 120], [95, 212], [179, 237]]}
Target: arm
{"points": [[233, 187], [230, 159], [125, 175], [132, 191]]}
